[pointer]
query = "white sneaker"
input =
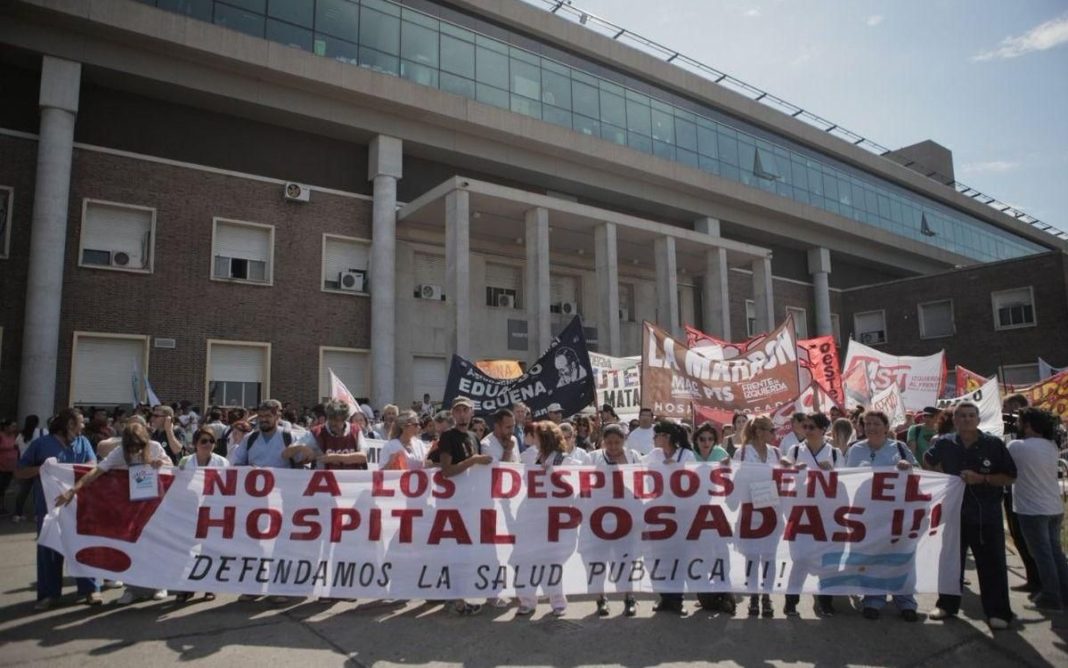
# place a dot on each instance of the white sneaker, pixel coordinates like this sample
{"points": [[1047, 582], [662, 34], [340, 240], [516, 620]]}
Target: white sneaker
{"points": [[559, 612], [997, 624], [523, 611], [938, 614], [127, 598], [498, 602], [159, 595]]}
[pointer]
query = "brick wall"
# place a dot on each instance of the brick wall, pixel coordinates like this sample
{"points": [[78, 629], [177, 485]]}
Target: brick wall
{"points": [[180, 301], [976, 344]]}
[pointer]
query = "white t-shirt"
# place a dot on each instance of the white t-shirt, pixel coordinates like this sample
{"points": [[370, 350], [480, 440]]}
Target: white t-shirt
{"points": [[189, 462], [747, 453], [529, 457], [789, 440], [656, 457], [116, 460], [597, 457], [416, 457], [641, 440], [1036, 490], [492, 446], [581, 457], [800, 453]]}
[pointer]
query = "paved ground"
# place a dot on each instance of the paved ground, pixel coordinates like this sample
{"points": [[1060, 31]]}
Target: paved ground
{"points": [[228, 633]]}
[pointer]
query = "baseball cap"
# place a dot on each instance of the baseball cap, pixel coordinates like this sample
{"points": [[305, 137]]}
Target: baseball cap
{"points": [[931, 410], [462, 401], [555, 408]]}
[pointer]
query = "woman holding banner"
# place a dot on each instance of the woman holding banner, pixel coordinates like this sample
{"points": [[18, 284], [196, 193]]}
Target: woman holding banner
{"points": [[671, 448], [405, 449], [614, 452], [759, 450]]}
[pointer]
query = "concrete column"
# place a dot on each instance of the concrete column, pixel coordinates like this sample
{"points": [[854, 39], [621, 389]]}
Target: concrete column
{"points": [[667, 284], [715, 295], [536, 292], [819, 265], [384, 168], [458, 271], [60, 87], [606, 261], [407, 319], [762, 295]]}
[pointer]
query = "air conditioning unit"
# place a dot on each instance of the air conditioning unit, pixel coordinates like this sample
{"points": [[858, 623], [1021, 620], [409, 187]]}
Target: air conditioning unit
{"points": [[351, 280], [120, 259], [295, 192], [624, 315], [505, 301], [567, 308], [432, 292], [869, 338]]}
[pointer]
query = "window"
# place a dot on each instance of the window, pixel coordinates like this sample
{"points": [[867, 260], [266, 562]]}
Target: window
{"points": [[345, 262], [836, 328], [102, 366], [800, 321], [117, 236], [242, 252], [563, 294], [238, 373], [7, 197], [351, 365], [1014, 308], [1019, 374], [870, 327], [750, 317], [936, 319], [503, 284], [626, 302]]}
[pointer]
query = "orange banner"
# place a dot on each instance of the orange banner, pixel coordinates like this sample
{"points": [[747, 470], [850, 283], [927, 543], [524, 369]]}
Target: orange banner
{"points": [[500, 369], [968, 381], [1050, 394]]}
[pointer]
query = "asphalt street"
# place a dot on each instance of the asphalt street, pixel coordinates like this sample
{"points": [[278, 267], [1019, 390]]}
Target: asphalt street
{"points": [[378, 633]]}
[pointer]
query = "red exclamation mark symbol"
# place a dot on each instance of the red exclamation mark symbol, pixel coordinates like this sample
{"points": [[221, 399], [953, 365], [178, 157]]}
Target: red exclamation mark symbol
{"points": [[896, 525], [936, 518], [917, 520]]}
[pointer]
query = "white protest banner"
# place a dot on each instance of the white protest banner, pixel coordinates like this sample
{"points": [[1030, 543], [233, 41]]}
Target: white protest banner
{"points": [[499, 531], [988, 399], [618, 383], [889, 401], [919, 379], [341, 393]]}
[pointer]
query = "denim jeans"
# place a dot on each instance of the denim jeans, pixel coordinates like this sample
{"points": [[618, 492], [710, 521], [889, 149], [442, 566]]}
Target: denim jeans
{"points": [[50, 572], [903, 602], [1043, 536]]}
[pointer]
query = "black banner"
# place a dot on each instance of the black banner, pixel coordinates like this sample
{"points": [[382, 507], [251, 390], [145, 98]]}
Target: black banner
{"points": [[563, 375]]}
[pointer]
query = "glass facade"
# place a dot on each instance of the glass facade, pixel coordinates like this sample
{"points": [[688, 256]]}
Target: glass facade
{"points": [[589, 99]]}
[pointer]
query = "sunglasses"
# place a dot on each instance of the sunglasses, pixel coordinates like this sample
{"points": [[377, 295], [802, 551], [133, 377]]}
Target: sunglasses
{"points": [[205, 440]]}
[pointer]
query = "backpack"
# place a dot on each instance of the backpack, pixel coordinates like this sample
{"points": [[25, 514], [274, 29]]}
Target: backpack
{"points": [[222, 443], [287, 440]]}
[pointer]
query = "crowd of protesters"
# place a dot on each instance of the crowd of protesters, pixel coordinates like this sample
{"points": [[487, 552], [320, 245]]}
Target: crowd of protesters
{"points": [[1020, 477]]}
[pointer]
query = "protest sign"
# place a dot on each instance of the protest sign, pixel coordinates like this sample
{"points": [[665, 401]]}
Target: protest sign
{"points": [[919, 379], [674, 376], [1050, 394], [502, 531], [562, 375], [618, 382], [988, 399], [817, 357], [814, 399], [500, 369], [889, 401], [856, 387], [341, 393], [968, 381]]}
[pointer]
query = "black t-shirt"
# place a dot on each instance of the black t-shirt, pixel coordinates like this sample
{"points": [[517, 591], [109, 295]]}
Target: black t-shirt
{"points": [[458, 449], [160, 437], [988, 455]]}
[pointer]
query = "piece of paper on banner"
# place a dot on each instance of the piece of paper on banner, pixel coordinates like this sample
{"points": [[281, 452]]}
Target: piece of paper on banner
{"points": [[889, 401], [144, 482]]}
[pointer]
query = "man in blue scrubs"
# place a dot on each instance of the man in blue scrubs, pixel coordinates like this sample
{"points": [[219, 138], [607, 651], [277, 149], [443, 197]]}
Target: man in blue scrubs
{"points": [[66, 443]]}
